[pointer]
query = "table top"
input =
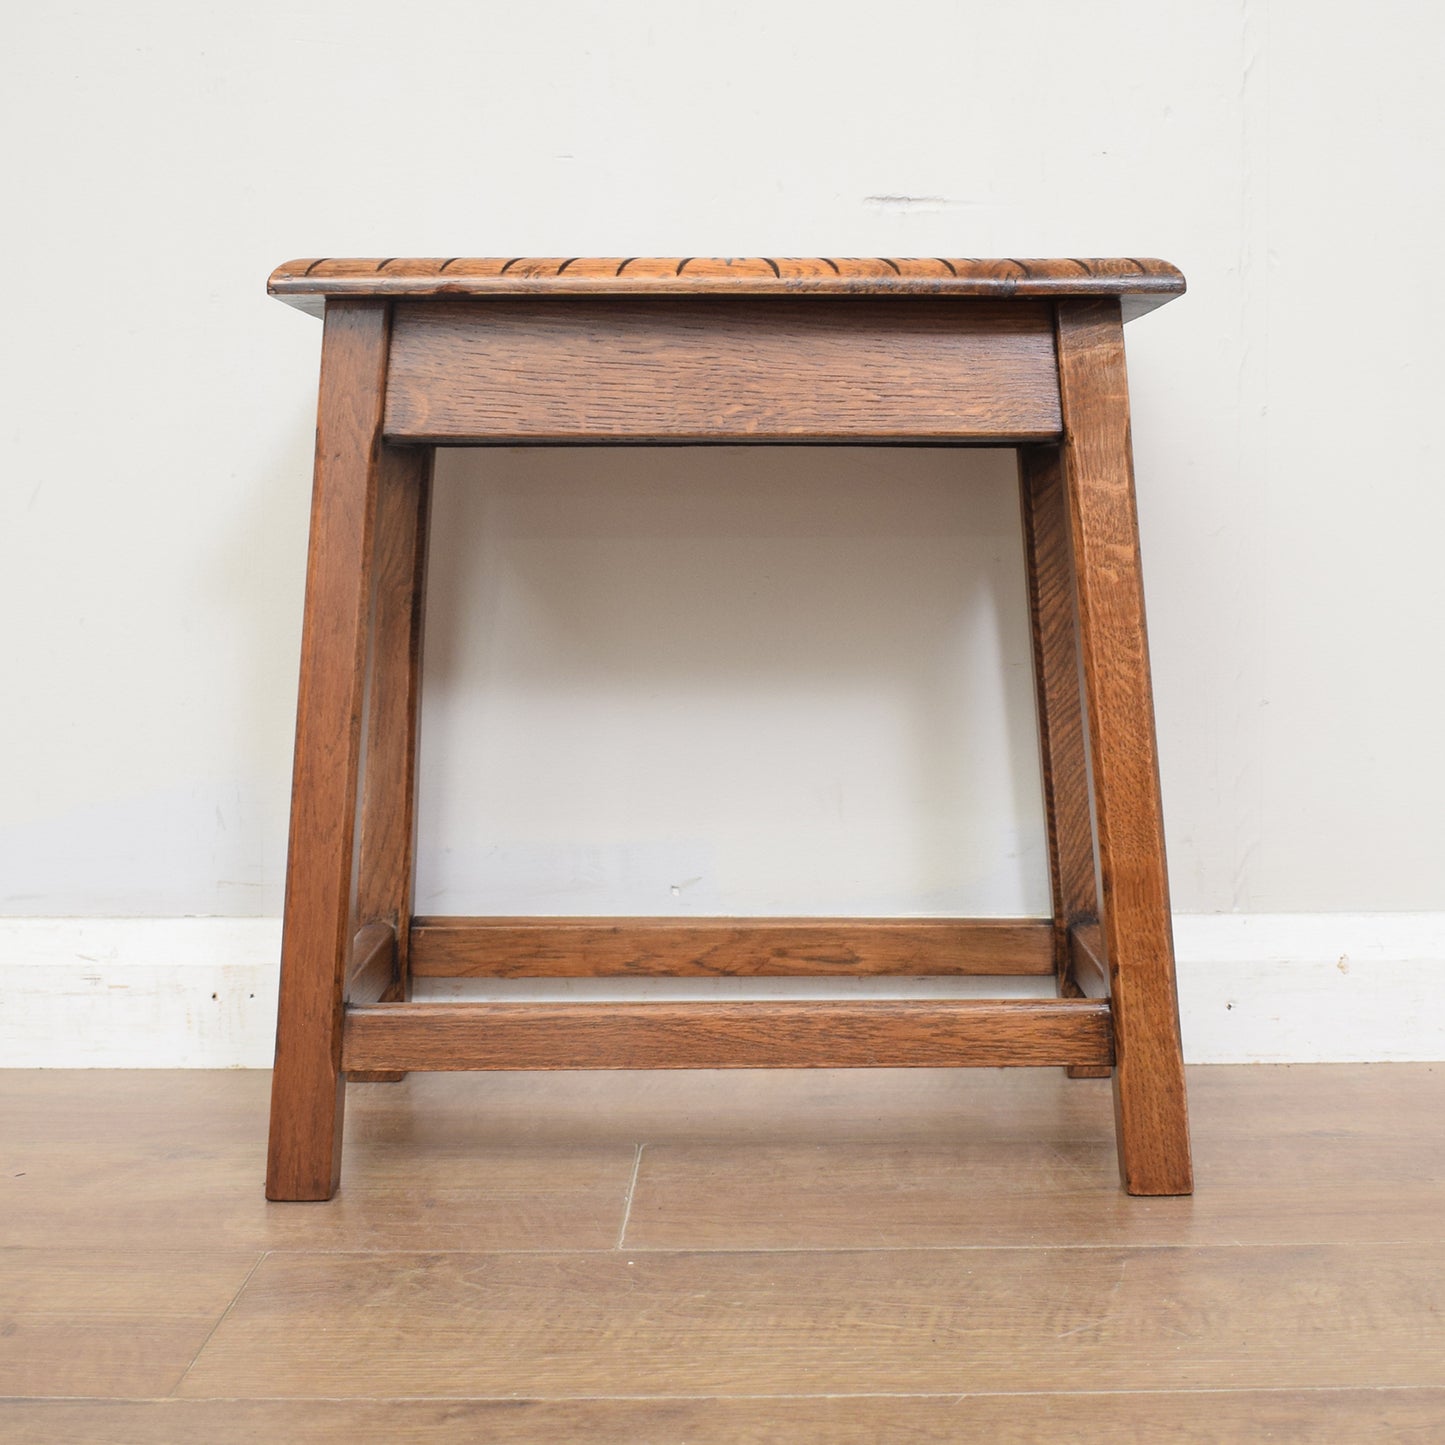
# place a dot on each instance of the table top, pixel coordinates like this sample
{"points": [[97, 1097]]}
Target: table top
{"points": [[1141, 284]]}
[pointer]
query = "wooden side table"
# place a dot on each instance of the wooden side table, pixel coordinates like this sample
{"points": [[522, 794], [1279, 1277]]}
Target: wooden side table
{"points": [[418, 354]]}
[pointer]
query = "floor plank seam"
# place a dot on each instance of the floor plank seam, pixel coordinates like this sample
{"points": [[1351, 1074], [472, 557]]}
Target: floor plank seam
{"points": [[946, 1396], [962, 1247], [211, 1333], [631, 1190]]}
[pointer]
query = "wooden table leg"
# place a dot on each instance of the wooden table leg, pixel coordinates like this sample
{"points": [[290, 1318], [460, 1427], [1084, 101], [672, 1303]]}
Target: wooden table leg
{"points": [[308, 1089], [388, 789], [1149, 1097], [1063, 742]]}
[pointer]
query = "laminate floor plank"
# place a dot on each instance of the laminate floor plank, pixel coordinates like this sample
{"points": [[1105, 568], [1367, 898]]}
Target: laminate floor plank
{"points": [[1285, 1417], [179, 1161], [831, 1322], [818, 1255], [1282, 1156], [733, 1160], [93, 1322], [1298, 1186], [138, 1112]]}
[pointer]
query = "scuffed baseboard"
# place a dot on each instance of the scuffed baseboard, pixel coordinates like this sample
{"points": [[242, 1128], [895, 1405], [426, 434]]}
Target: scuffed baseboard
{"points": [[201, 992]]}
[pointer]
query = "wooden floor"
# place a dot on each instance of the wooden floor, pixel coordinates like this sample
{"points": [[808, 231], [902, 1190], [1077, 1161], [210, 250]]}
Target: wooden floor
{"points": [[723, 1258]]}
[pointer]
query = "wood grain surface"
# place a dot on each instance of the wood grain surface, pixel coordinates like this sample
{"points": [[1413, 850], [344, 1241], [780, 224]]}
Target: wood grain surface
{"points": [[1062, 739], [762, 1033], [1063, 742], [1335, 1155], [84, 1320], [893, 365], [1142, 283], [459, 947], [388, 797], [387, 842], [1098, 472], [371, 969], [695, 369], [308, 1096], [1088, 968], [741, 1253], [845, 1322], [1213, 1417]]}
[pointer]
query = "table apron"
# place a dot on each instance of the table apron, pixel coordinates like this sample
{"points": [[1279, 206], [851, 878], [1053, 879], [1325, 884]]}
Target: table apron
{"points": [[717, 370]]}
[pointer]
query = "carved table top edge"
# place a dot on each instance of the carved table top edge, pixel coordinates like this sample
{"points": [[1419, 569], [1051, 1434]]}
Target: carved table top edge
{"points": [[1140, 283]]}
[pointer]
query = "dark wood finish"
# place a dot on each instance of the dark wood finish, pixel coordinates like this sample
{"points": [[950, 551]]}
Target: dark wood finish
{"points": [[702, 351], [713, 369], [759, 1034], [371, 974], [388, 796], [1063, 742], [308, 1094], [764, 947], [1088, 969], [1153, 1123], [388, 807], [1142, 284]]}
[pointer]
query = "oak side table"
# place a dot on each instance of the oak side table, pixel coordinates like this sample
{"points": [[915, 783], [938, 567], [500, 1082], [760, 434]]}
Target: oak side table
{"points": [[418, 354]]}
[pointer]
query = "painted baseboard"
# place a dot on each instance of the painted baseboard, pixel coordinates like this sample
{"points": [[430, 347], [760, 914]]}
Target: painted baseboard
{"points": [[201, 992]]}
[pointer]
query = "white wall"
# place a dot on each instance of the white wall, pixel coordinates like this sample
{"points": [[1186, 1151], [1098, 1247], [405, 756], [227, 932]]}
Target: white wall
{"points": [[730, 681], [722, 681]]}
